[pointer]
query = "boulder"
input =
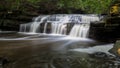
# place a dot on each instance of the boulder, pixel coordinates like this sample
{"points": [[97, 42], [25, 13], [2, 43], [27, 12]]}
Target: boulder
{"points": [[116, 49]]}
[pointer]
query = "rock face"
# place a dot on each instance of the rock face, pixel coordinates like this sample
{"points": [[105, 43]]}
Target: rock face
{"points": [[10, 21], [107, 31]]}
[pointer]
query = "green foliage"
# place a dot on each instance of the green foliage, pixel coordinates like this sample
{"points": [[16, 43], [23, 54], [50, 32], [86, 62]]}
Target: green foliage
{"points": [[89, 6], [34, 1]]}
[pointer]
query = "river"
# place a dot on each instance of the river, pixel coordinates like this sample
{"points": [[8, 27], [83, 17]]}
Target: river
{"points": [[24, 50]]}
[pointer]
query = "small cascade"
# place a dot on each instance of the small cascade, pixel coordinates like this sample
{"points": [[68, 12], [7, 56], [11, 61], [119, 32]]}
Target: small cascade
{"points": [[25, 27], [45, 27], [33, 26], [58, 28], [80, 24], [84, 30], [80, 30], [36, 24]]}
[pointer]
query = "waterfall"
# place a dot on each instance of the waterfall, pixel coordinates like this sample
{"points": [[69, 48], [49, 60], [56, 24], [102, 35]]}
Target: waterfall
{"points": [[45, 27], [36, 24], [25, 27], [80, 30], [59, 24], [33, 26], [58, 28]]}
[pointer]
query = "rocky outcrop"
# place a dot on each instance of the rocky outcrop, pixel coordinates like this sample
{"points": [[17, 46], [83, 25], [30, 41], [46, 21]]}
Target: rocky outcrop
{"points": [[10, 20], [107, 31]]}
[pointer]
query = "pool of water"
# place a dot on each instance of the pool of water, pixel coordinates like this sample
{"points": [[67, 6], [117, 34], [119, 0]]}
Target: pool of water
{"points": [[26, 50]]}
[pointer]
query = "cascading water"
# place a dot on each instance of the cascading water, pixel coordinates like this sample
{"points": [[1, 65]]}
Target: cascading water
{"points": [[45, 27], [34, 26], [25, 27], [59, 24], [58, 28], [80, 30]]}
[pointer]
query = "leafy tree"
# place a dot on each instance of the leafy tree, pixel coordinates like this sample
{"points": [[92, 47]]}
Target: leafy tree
{"points": [[89, 6]]}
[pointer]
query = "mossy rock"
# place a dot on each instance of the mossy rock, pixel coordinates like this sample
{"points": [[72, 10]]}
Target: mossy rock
{"points": [[116, 47]]}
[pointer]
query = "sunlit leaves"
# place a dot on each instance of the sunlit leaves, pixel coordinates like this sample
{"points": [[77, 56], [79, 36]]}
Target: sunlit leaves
{"points": [[90, 6]]}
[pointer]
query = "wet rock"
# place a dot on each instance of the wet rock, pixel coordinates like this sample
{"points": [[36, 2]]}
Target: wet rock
{"points": [[3, 61], [118, 51], [99, 55], [105, 31], [115, 50]]}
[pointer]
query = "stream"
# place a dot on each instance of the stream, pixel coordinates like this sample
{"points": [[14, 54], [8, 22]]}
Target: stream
{"points": [[25, 50]]}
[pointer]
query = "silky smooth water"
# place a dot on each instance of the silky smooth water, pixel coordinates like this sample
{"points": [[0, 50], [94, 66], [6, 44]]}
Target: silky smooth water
{"points": [[59, 24], [54, 51]]}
